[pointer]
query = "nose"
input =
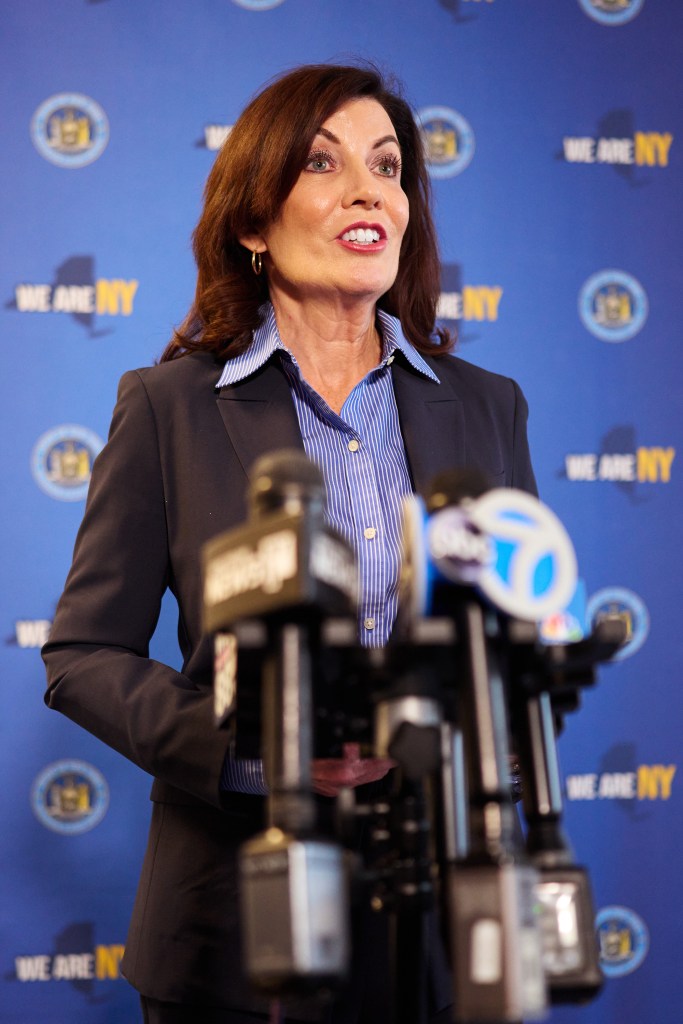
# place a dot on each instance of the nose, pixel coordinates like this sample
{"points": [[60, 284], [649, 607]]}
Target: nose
{"points": [[362, 189]]}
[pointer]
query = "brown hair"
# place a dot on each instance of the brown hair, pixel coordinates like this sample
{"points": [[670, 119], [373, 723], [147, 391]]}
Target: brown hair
{"points": [[254, 173]]}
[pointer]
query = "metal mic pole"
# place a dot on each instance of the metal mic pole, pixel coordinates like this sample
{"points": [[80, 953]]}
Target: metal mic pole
{"points": [[451, 797], [543, 679], [570, 950], [408, 726], [413, 899], [495, 945], [287, 728]]}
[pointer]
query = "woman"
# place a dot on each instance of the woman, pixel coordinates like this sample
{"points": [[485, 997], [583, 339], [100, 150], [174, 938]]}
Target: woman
{"points": [[312, 327]]}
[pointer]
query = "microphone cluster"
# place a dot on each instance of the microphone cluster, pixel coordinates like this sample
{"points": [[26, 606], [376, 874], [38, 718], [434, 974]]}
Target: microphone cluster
{"points": [[464, 689]]}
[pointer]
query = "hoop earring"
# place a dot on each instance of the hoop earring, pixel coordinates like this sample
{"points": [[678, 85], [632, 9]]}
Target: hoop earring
{"points": [[256, 262]]}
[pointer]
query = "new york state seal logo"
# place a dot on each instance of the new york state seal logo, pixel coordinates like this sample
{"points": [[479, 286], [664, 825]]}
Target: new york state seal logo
{"points": [[613, 305], [62, 460], [448, 141], [70, 797], [611, 12], [623, 939], [70, 129]]}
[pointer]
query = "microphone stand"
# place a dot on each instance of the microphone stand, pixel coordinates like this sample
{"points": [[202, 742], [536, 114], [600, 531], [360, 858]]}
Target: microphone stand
{"points": [[276, 578], [547, 679], [494, 940], [276, 583], [287, 741], [570, 952], [413, 899], [408, 723]]}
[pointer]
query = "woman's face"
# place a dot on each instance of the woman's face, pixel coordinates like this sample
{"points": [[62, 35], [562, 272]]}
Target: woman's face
{"points": [[338, 234]]}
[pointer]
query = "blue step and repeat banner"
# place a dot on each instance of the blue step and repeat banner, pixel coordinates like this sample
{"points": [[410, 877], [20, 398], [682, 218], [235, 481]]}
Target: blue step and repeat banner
{"points": [[554, 131]]}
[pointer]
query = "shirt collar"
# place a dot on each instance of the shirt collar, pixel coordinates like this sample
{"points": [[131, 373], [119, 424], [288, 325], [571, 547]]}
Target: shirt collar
{"points": [[267, 340]]}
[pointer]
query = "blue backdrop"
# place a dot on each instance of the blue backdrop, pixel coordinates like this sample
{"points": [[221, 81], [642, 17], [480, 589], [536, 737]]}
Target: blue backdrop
{"points": [[553, 134]]}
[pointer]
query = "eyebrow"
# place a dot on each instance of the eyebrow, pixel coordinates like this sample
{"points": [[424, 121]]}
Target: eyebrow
{"points": [[380, 142]]}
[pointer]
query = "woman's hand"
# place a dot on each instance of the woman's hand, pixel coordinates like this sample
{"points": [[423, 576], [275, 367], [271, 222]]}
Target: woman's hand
{"points": [[330, 775]]}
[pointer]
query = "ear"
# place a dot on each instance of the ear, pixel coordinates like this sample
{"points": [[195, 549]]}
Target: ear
{"points": [[254, 243]]}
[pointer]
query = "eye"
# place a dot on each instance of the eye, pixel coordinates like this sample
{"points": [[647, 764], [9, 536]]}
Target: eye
{"points": [[389, 165], [319, 161]]}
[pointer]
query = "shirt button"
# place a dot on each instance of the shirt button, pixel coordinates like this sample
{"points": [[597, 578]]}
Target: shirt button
{"points": [[369, 532], [369, 623], [390, 360], [354, 445]]}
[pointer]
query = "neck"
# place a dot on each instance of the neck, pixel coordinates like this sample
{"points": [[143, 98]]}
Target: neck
{"points": [[335, 344]]}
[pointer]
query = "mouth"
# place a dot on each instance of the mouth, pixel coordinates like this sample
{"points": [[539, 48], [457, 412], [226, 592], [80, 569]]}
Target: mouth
{"points": [[364, 236]]}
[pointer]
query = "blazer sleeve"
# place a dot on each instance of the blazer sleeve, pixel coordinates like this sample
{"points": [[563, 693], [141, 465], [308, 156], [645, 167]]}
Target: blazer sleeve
{"points": [[522, 476], [97, 657]]}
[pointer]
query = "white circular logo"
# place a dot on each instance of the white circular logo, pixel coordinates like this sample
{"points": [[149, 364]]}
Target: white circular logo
{"points": [[70, 129], [70, 796], [611, 12], [624, 940], [613, 305], [448, 140], [62, 460], [623, 602], [533, 572], [258, 5]]}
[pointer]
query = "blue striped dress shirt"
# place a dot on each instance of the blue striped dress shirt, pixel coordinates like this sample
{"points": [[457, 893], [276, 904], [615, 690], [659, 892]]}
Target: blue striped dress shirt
{"points": [[362, 457]]}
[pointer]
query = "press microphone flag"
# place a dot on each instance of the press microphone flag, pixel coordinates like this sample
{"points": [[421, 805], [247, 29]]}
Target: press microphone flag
{"points": [[533, 572], [507, 543]]}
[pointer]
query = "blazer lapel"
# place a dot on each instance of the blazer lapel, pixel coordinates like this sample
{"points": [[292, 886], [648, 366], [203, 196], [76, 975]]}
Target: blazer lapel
{"points": [[432, 422], [259, 415]]}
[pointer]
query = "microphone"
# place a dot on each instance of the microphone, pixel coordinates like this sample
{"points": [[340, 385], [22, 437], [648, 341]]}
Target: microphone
{"points": [[507, 543], [285, 558], [488, 883], [533, 572], [440, 543], [270, 583], [530, 573]]}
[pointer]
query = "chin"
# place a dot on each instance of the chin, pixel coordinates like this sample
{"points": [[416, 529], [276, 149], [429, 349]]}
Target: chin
{"points": [[366, 285]]}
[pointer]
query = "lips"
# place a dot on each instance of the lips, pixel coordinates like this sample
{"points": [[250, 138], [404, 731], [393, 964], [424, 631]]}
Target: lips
{"points": [[364, 235], [361, 235]]}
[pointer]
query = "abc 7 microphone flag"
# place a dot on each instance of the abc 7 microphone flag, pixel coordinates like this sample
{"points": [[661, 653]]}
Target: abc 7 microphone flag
{"points": [[507, 543]]}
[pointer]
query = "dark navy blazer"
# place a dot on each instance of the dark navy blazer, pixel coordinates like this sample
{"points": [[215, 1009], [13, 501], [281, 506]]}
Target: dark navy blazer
{"points": [[172, 475]]}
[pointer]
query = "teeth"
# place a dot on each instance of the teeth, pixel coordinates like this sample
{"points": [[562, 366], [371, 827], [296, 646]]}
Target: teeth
{"points": [[362, 235]]}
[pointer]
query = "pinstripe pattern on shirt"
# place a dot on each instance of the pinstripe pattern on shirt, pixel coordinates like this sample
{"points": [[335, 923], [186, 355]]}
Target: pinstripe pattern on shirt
{"points": [[361, 454]]}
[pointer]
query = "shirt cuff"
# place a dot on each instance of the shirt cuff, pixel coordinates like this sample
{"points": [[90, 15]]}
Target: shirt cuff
{"points": [[244, 775]]}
